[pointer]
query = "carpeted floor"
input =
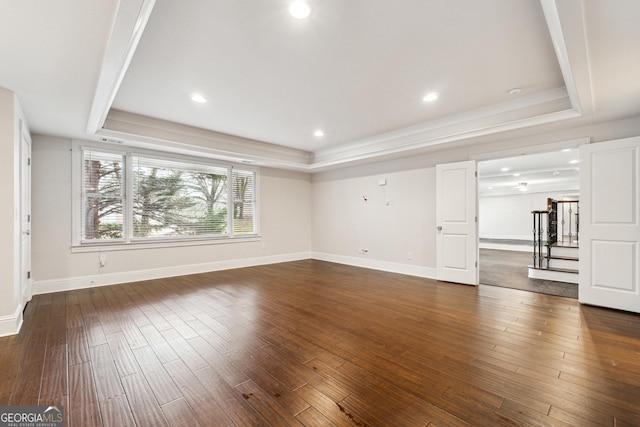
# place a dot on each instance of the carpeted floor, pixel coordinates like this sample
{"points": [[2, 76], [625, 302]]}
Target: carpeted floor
{"points": [[508, 269]]}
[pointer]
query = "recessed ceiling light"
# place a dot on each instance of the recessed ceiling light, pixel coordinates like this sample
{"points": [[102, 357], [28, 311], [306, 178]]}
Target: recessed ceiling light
{"points": [[516, 174], [504, 170], [196, 97], [430, 97], [299, 9], [566, 150], [318, 133], [574, 162], [514, 91]]}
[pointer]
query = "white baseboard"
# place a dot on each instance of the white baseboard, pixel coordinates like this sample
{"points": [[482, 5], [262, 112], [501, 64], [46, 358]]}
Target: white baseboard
{"points": [[11, 324], [68, 284], [507, 236], [556, 276], [392, 267], [83, 282]]}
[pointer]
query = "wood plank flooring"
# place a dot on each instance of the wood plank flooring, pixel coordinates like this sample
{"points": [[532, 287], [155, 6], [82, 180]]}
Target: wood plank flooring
{"points": [[320, 344]]}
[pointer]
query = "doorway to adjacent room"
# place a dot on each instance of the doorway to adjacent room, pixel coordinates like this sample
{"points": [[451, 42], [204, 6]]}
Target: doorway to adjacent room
{"points": [[509, 189]]}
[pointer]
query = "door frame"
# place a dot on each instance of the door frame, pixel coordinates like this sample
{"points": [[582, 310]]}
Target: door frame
{"points": [[524, 151], [25, 214]]}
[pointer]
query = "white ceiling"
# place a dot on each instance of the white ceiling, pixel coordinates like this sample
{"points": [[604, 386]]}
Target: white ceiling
{"points": [[125, 70], [554, 171], [355, 69]]}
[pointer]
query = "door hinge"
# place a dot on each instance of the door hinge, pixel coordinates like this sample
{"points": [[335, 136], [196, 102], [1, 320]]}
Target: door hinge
{"points": [[476, 264], [29, 161], [28, 275], [476, 173], [28, 218]]}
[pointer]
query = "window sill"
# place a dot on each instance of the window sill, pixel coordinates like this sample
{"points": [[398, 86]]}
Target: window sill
{"points": [[121, 246]]}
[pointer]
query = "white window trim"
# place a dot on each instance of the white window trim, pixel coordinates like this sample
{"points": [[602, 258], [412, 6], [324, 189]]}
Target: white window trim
{"points": [[79, 246]]}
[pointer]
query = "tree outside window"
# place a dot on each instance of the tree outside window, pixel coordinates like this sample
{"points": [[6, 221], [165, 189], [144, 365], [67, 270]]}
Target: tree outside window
{"points": [[170, 199]]}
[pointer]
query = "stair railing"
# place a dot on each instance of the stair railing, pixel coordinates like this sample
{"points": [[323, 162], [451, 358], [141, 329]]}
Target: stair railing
{"points": [[566, 224], [539, 219], [562, 223]]}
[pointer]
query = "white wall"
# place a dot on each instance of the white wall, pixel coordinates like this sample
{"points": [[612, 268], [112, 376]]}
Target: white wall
{"points": [[343, 223], [10, 287], [509, 216], [323, 216], [396, 223], [285, 231]]}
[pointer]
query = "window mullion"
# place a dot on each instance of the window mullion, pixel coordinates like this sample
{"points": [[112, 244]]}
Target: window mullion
{"points": [[128, 197], [230, 201]]}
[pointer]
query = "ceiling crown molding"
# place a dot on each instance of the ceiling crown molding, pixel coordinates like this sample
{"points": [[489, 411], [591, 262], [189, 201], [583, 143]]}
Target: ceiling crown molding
{"points": [[129, 24], [574, 66], [134, 128], [542, 108]]}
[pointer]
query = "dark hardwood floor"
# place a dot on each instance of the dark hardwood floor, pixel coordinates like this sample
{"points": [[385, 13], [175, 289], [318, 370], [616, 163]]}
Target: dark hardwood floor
{"points": [[321, 344]]}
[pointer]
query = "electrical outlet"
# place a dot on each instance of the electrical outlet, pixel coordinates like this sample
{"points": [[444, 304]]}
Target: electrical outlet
{"points": [[102, 259], [409, 255], [363, 251]]}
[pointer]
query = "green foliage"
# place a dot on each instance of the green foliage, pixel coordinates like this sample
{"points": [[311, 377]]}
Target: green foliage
{"points": [[214, 222], [168, 199], [109, 230], [159, 202]]}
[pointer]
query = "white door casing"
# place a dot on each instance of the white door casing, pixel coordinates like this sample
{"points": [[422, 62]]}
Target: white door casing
{"points": [[25, 214], [457, 222], [610, 224]]}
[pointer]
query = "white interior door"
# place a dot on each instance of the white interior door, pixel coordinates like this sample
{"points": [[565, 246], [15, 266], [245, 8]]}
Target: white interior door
{"points": [[610, 224], [25, 214], [457, 222]]}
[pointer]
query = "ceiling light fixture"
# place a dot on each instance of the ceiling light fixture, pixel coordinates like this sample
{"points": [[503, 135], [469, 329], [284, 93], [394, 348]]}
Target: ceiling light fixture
{"points": [[504, 170], [514, 91], [574, 162], [430, 97], [299, 9], [318, 133], [196, 97]]}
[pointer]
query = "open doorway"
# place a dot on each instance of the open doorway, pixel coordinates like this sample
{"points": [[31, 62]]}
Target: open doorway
{"points": [[509, 189]]}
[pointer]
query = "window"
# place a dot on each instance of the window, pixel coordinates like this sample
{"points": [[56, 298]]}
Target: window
{"points": [[133, 197], [103, 201]]}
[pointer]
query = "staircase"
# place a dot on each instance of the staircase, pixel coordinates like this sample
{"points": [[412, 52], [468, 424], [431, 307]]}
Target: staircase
{"points": [[555, 237]]}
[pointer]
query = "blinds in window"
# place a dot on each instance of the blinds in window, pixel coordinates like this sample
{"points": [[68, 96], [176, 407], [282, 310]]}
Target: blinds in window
{"points": [[244, 201], [178, 199], [103, 195], [130, 196]]}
